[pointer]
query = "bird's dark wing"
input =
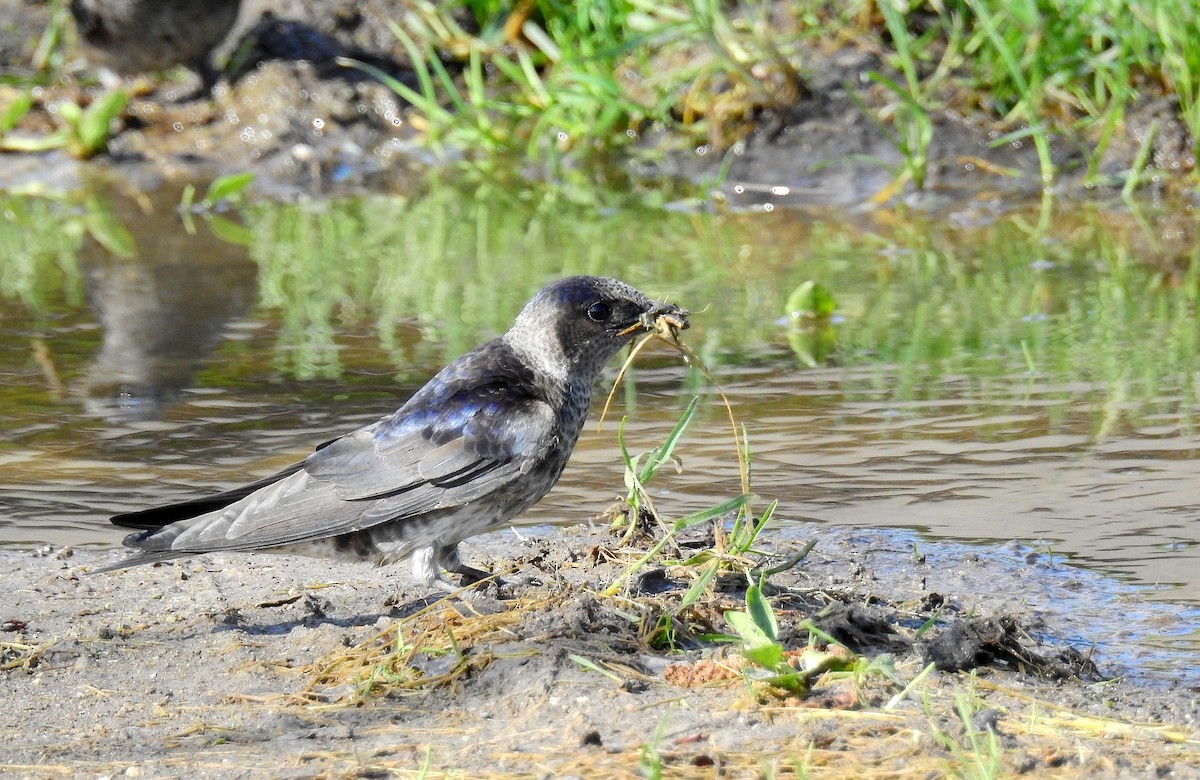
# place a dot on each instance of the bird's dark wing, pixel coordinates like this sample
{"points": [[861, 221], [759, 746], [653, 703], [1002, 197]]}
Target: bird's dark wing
{"points": [[473, 439]]}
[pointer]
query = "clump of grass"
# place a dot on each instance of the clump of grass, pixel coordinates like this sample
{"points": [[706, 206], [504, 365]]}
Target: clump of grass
{"points": [[636, 512], [549, 79], [23, 655], [82, 132], [553, 80], [428, 649]]}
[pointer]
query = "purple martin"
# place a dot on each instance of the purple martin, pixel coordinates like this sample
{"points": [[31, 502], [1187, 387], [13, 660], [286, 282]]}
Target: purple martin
{"points": [[479, 444]]}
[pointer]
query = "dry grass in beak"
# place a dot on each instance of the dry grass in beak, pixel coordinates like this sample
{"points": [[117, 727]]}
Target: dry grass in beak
{"points": [[665, 327]]}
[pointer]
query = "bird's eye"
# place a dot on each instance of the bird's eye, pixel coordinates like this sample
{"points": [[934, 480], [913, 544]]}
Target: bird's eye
{"points": [[599, 312]]}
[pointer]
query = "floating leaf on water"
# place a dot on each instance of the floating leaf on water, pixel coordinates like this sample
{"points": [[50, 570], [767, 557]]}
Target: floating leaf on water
{"points": [[811, 300], [227, 187], [229, 231]]}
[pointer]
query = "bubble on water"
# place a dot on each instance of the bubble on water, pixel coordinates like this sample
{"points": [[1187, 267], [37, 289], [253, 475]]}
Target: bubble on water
{"points": [[177, 127], [780, 190], [768, 207], [318, 123], [562, 137], [738, 189], [631, 133], [702, 150], [968, 167], [232, 117]]}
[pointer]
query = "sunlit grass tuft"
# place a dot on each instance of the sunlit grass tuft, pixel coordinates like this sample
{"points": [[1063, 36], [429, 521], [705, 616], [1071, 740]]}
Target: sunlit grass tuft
{"points": [[553, 81]]}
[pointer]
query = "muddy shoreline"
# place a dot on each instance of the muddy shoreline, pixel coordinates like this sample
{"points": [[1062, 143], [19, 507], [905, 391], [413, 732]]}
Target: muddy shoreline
{"points": [[307, 125], [234, 666]]}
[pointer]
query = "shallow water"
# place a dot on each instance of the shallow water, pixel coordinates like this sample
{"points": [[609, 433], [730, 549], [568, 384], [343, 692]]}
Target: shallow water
{"points": [[992, 375]]}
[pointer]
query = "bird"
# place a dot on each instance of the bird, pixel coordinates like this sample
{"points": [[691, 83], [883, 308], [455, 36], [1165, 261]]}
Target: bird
{"points": [[477, 445], [128, 37]]}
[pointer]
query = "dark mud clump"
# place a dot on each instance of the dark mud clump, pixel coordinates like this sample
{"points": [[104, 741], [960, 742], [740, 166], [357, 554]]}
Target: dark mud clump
{"points": [[1004, 641]]}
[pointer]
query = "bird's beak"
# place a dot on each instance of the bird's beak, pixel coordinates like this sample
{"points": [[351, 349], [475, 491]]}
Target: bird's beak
{"points": [[666, 319]]}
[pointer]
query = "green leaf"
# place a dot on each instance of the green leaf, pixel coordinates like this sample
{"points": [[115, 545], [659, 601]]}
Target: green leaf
{"points": [[94, 125], [662, 454], [35, 143], [720, 510], [70, 113], [795, 682], [811, 300], [701, 583], [741, 622], [768, 655], [229, 231], [15, 111], [188, 197], [703, 556], [226, 187], [760, 610]]}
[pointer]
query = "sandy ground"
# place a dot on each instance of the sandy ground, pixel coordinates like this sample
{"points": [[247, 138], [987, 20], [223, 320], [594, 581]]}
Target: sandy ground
{"points": [[257, 666]]}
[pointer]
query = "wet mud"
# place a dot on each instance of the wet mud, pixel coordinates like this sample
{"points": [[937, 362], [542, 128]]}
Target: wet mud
{"points": [[229, 665]]}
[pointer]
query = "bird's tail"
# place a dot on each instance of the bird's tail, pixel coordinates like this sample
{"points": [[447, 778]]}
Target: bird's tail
{"points": [[159, 516]]}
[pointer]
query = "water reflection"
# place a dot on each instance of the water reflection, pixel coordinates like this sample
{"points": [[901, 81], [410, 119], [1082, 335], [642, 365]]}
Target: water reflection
{"points": [[1012, 379], [162, 308]]}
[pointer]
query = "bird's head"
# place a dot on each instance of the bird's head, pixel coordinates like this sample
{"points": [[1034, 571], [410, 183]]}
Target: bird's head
{"points": [[573, 326]]}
